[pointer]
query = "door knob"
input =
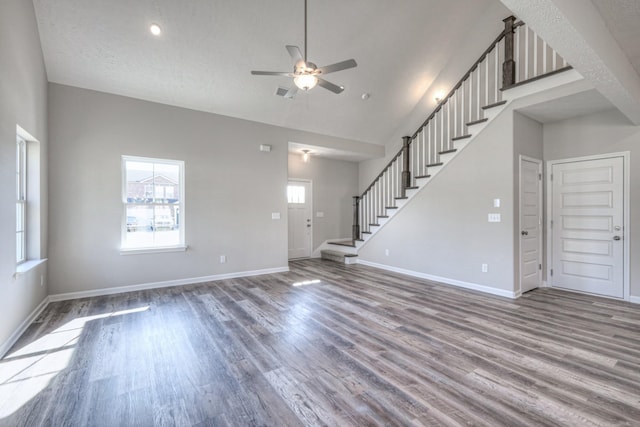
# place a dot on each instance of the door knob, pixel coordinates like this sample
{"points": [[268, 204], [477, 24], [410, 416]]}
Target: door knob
{"points": [[524, 233], [616, 237], [308, 225]]}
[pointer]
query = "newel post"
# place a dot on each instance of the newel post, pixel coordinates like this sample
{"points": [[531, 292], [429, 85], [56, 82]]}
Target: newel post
{"points": [[509, 66], [355, 232], [406, 173]]}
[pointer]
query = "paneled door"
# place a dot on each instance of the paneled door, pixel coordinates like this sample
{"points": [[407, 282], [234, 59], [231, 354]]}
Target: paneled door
{"points": [[530, 223], [299, 198], [587, 227]]}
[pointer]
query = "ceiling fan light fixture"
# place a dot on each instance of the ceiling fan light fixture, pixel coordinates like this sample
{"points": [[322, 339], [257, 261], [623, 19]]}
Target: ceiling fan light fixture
{"points": [[305, 81]]}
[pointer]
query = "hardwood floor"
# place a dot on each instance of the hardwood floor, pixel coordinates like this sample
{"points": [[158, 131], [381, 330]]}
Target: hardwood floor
{"points": [[326, 344]]}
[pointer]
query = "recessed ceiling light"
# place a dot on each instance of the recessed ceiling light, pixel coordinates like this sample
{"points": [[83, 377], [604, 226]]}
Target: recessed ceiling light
{"points": [[365, 96], [155, 29]]}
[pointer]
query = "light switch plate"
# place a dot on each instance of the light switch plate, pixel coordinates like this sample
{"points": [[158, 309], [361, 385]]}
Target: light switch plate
{"points": [[320, 214], [275, 215], [496, 203], [494, 217]]}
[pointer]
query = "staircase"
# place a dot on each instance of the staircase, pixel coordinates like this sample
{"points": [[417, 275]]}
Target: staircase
{"points": [[517, 56]]}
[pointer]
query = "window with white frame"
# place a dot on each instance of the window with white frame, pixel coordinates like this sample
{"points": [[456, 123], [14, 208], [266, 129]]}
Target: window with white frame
{"points": [[153, 199], [21, 200]]}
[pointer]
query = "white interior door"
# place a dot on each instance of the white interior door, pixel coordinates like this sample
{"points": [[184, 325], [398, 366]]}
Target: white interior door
{"points": [[587, 227], [299, 198], [530, 224]]}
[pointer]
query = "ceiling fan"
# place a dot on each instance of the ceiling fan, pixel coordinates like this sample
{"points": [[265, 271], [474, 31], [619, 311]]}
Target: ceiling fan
{"points": [[306, 75]]}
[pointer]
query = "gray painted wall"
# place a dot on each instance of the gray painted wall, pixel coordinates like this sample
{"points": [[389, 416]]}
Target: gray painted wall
{"points": [[444, 232], [335, 182], [23, 101], [231, 190], [601, 133]]}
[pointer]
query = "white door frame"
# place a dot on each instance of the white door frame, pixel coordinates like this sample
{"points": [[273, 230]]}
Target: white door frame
{"points": [[310, 182], [626, 195], [520, 225]]}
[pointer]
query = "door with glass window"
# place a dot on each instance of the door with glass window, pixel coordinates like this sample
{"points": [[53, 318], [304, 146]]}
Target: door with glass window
{"points": [[300, 227]]}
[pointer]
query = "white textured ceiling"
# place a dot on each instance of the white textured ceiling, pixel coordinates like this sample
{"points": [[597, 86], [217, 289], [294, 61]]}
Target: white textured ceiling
{"points": [[204, 57], [622, 18]]}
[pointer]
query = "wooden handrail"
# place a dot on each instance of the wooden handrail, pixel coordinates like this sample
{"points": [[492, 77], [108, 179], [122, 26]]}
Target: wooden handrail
{"points": [[382, 173], [399, 178], [440, 104]]}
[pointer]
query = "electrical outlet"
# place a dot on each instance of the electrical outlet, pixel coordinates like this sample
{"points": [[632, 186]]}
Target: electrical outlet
{"points": [[485, 268], [386, 252], [223, 259]]}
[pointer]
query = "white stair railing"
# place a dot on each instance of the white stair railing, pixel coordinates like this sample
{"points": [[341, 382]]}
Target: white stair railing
{"points": [[516, 56]]}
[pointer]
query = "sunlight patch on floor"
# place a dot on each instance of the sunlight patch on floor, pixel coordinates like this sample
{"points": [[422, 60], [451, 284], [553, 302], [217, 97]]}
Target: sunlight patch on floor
{"points": [[306, 282], [30, 369]]}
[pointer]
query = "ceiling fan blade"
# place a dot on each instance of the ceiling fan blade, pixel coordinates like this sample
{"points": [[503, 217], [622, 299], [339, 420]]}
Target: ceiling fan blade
{"points": [[271, 73], [295, 53], [291, 92], [330, 86], [338, 66]]}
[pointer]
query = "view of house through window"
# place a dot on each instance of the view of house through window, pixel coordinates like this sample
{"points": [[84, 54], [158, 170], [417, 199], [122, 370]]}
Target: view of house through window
{"points": [[21, 200], [153, 196]]}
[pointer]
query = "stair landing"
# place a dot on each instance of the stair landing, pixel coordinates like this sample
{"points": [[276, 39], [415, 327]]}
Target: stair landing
{"points": [[338, 256]]}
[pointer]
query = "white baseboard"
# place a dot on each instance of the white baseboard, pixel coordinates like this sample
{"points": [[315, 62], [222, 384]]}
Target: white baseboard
{"points": [[164, 284], [458, 283], [635, 300], [4, 348]]}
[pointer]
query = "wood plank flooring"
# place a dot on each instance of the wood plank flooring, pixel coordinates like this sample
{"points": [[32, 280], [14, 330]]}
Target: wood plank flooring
{"points": [[326, 344]]}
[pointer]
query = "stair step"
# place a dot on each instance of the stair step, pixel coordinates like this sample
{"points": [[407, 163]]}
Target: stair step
{"points": [[367, 232], [435, 164], [383, 216], [391, 207], [496, 104], [400, 198], [423, 176], [475, 122], [374, 225], [342, 257], [343, 243], [458, 138], [453, 150]]}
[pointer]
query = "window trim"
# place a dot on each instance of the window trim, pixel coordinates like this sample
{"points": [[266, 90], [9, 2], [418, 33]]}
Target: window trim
{"points": [[21, 197], [181, 246]]}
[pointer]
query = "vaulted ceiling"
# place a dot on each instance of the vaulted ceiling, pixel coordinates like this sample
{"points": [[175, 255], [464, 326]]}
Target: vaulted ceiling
{"points": [[207, 49]]}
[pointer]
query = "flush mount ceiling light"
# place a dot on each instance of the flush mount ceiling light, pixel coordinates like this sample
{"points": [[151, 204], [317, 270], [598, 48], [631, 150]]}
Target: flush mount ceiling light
{"points": [[306, 75], [306, 156], [155, 29]]}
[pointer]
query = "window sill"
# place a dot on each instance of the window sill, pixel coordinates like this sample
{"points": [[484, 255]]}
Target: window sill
{"points": [[29, 265], [135, 251]]}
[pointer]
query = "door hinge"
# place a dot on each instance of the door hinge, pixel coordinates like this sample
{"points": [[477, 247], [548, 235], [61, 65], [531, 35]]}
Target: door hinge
{"points": [[552, 271], [551, 177], [539, 266], [539, 177], [551, 224]]}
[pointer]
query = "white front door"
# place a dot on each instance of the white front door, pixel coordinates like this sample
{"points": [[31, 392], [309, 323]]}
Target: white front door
{"points": [[530, 224], [587, 227], [299, 198]]}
